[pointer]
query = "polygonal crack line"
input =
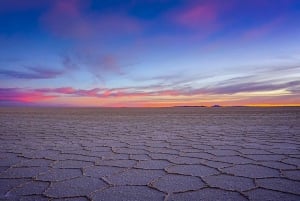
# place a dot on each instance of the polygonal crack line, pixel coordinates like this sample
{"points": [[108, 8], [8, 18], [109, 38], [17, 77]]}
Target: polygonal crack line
{"points": [[203, 180], [180, 155], [255, 149], [167, 196], [280, 161], [152, 187], [151, 183], [106, 181], [5, 171], [137, 160], [203, 163], [289, 163], [217, 169], [149, 154], [118, 165], [256, 184], [22, 184], [241, 193], [262, 165], [52, 183], [282, 176], [255, 164], [77, 160], [67, 197], [142, 168], [295, 166], [232, 174], [116, 152], [209, 187], [90, 195], [179, 163], [83, 170], [242, 156], [151, 146], [115, 173], [105, 178], [218, 188], [62, 180], [25, 177], [252, 179], [41, 173], [113, 149], [274, 189], [260, 187], [160, 152], [180, 174], [102, 189], [196, 150], [77, 154], [6, 194]]}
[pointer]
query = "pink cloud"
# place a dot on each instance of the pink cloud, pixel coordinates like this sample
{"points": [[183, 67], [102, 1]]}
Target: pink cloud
{"points": [[205, 14], [69, 91], [91, 92], [66, 19], [263, 30], [199, 15], [61, 90], [71, 19], [21, 95]]}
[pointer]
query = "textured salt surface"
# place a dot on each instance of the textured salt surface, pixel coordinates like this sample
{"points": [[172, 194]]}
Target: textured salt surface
{"points": [[150, 154]]}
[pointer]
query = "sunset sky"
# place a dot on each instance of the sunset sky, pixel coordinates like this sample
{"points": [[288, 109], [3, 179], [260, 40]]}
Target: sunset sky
{"points": [[149, 53]]}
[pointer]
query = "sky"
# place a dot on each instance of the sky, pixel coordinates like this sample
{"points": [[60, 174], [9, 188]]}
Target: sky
{"points": [[149, 53]]}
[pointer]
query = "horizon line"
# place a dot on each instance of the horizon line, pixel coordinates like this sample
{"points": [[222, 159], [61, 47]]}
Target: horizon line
{"points": [[176, 106]]}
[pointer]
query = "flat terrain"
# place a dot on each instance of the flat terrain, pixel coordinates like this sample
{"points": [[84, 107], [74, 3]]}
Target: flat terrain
{"points": [[150, 154]]}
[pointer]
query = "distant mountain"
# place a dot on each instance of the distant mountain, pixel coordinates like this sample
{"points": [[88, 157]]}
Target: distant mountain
{"points": [[190, 106]]}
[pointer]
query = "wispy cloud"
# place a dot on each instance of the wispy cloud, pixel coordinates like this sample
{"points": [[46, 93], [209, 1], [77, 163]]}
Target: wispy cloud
{"points": [[96, 63], [70, 91], [32, 72], [68, 63], [253, 87]]}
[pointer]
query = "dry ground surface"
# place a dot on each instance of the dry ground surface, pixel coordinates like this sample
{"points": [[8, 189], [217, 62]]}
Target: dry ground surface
{"points": [[150, 154]]}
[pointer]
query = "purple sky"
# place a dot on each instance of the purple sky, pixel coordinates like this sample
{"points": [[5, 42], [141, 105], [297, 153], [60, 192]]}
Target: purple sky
{"points": [[149, 53]]}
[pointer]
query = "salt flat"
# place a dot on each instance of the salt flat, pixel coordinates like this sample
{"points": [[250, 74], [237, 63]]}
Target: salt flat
{"points": [[236, 153]]}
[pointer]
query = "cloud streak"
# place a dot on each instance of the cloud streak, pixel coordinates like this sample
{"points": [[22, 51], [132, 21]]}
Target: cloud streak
{"points": [[253, 87], [44, 94], [32, 73], [263, 30]]}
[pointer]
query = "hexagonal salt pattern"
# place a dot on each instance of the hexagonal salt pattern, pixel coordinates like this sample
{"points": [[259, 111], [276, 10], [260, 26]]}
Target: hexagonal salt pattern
{"points": [[150, 154]]}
